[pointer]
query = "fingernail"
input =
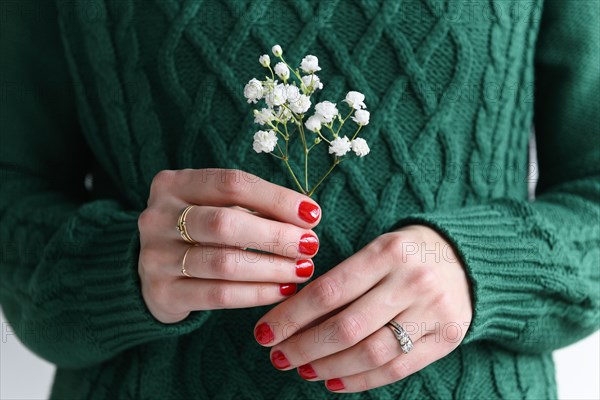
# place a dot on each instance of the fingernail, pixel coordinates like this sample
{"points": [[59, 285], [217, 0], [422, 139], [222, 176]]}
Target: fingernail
{"points": [[334, 384], [288, 289], [304, 268], [307, 372], [309, 212], [309, 244], [263, 333], [279, 361]]}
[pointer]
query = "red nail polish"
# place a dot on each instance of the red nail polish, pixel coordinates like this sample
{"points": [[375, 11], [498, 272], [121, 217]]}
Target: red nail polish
{"points": [[307, 372], [309, 212], [287, 289], [334, 384], [279, 361], [304, 268], [309, 244], [263, 333]]}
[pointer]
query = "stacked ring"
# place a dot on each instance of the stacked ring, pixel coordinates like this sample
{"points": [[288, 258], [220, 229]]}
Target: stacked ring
{"points": [[183, 270], [181, 225]]}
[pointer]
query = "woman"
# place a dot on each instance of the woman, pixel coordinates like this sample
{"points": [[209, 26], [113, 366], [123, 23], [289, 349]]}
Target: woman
{"points": [[433, 231]]}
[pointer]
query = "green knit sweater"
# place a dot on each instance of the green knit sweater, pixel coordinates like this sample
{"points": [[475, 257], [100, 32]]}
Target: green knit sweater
{"points": [[98, 96]]}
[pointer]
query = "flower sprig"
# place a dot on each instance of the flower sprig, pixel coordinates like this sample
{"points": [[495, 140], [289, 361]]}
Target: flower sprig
{"points": [[285, 115]]}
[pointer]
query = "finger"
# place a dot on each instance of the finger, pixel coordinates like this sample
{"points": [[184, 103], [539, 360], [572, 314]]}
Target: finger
{"points": [[338, 287], [233, 264], [347, 328], [236, 228], [189, 294], [226, 187], [370, 353], [424, 353]]}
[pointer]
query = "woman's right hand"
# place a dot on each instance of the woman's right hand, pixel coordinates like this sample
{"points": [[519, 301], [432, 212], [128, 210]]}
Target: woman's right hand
{"points": [[224, 274]]}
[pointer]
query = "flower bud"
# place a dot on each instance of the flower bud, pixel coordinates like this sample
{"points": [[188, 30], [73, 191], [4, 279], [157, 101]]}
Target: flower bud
{"points": [[277, 51], [264, 60]]}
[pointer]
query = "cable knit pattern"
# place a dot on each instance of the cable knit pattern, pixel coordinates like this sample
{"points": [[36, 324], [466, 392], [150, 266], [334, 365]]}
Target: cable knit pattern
{"points": [[117, 90]]}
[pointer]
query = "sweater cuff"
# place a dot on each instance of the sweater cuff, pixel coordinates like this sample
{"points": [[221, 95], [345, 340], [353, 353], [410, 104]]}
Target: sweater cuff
{"points": [[489, 240], [104, 242]]}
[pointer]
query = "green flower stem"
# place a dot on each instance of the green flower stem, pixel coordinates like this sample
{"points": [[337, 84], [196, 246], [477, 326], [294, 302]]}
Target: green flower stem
{"points": [[356, 133], [344, 121], [291, 69], [335, 163], [287, 164], [322, 137]]}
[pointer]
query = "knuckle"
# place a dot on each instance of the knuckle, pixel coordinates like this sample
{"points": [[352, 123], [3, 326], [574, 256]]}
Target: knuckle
{"points": [[443, 302], [221, 224], [376, 353], [277, 234], [326, 293], [232, 184], [395, 246], [147, 220], [424, 280], [281, 200], [220, 296], [399, 369], [159, 293], [262, 294], [362, 383], [149, 259], [164, 179], [350, 329]]}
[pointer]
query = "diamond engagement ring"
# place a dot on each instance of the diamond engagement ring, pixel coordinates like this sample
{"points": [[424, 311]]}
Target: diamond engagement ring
{"points": [[405, 343]]}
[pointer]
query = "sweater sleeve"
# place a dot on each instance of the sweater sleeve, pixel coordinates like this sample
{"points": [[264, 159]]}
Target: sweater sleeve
{"points": [[534, 266], [68, 264]]}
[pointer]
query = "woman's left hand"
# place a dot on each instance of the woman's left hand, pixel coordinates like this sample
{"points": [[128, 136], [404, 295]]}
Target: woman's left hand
{"points": [[335, 328]]}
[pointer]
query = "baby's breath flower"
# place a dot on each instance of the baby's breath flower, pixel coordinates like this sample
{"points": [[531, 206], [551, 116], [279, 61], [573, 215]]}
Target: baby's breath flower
{"points": [[277, 96], [310, 64], [360, 147], [312, 81], [263, 116], [264, 60], [300, 105], [326, 111], [277, 52], [282, 71], [253, 91], [339, 146], [313, 123], [361, 117], [355, 100], [292, 93], [264, 141]]}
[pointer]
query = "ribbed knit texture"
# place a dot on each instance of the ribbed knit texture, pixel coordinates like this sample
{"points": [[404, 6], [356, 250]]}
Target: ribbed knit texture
{"points": [[122, 89]]}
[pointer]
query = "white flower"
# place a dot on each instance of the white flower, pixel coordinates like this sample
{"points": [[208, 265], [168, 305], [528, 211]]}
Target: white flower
{"points": [[253, 91], [339, 146], [361, 117], [310, 64], [264, 60], [277, 96], [264, 141], [292, 93], [360, 147], [263, 116], [282, 71], [301, 105], [355, 100], [313, 123], [326, 111], [277, 52], [312, 81]]}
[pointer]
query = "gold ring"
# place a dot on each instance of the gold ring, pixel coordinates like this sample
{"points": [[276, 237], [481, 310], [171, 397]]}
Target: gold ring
{"points": [[181, 225], [183, 270]]}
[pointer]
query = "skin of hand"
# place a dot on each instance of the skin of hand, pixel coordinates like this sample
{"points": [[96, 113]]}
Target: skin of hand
{"points": [[226, 272], [334, 329]]}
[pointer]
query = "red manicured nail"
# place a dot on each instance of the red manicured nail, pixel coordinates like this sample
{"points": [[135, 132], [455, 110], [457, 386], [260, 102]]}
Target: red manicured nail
{"points": [[309, 244], [307, 372], [304, 268], [288, 289], [335, 384], [309, 212], [279, 361], [263, 333]]}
